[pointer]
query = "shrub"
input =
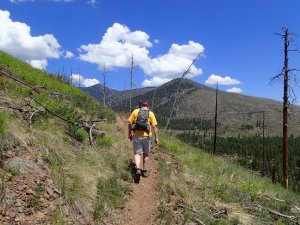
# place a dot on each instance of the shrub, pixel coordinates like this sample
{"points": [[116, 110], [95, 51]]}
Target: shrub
{"points": [[105, 142], [81, 134]]}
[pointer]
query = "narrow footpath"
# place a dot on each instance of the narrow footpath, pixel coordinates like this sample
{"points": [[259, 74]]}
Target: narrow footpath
{"points": [[142, 206]]}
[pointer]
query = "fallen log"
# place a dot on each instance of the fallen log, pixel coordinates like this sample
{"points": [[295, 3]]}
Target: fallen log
{"points": [[289, 218], [4, 72]]}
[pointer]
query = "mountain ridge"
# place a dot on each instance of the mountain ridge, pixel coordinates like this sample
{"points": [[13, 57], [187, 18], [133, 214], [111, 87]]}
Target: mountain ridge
{"points": [[196, 100]]}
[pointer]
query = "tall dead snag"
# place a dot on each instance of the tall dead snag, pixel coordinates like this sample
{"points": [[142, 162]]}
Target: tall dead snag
{"points": [[104, 85], [178, 89], [287, 91], [131, 84], [263, 146], [216, 121]]}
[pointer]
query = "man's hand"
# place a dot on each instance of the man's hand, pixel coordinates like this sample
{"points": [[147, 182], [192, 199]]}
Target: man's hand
{"points": [[156, 140], [130, 137]]}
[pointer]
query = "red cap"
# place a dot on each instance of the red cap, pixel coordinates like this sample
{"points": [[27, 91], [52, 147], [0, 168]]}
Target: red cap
{"points": [[145, 103]]}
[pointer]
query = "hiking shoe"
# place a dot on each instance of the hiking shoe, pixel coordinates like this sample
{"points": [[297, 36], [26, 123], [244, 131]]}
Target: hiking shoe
{"points": [[138, 172], [145, 173]]}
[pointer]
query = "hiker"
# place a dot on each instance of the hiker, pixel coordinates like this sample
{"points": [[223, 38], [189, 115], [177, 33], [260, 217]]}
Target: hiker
{"points": [[141, 121]]}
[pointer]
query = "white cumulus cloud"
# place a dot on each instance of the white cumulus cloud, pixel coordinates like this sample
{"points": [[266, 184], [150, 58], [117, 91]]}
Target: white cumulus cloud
{"points": [[39, 64], [16, 39], [117, 48], [173, 64], [216, 79], [69, 55], [234, 90], [154, 82], [119, 45], [90, 82], [78, 80]]}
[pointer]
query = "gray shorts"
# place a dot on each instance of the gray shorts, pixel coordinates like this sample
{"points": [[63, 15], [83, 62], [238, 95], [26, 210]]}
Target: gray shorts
{"points": [[141, 144]]}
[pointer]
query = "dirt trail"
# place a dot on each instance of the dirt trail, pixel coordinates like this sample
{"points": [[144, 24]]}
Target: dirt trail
{"points": [[142, 206]]}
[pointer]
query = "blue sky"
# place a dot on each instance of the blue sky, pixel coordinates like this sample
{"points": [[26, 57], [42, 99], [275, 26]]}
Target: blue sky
{"points": [[236, 39]]}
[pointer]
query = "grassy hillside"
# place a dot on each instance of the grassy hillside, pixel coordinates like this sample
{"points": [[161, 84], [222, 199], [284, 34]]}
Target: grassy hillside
{"points": [[197, 188], [67, 180], [50, 173]]}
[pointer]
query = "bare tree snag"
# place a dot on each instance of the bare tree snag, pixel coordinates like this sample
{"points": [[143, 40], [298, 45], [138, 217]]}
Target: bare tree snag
{"points": [[104, 85], [131, 84], [287, 90], [216, 121], [178, 89]]}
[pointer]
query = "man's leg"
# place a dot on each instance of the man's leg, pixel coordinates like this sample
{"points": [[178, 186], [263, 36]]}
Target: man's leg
{"points": [[145, 160], [146, 152], [138, 160], [138, 149]]}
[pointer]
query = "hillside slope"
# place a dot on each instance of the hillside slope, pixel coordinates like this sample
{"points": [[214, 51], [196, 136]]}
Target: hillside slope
{"points": [[54, 171], [97, 91], [50, 173], [197, 101]]}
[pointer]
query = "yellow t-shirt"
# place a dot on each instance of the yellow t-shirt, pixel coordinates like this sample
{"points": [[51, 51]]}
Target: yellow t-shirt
{"points": [[151, 120]]}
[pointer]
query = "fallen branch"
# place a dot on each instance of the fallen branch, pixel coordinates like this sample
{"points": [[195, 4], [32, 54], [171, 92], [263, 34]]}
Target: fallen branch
{"points": [[34, 112], [199, 221], [5, 73], [189, 208], [296, 208], [287, 217], [91, 137], [53, 113], [279, 200], [86, 125], [98, 120], [271, 198]]}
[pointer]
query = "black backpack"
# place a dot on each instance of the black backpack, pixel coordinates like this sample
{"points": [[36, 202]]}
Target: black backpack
{"points": [[142, 120]]}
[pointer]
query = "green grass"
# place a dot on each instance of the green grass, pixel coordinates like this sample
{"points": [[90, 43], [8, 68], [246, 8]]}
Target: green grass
{"points": [[75, 164], [206, 183], [74, 102], [109, 192]]}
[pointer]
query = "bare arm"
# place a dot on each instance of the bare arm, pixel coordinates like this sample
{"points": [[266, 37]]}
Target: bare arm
{"points": [[129, 132], [155, 132]]}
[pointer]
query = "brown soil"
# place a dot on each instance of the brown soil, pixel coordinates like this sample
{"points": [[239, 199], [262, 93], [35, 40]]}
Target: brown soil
{"points": [[29, 195], [142, 205]]}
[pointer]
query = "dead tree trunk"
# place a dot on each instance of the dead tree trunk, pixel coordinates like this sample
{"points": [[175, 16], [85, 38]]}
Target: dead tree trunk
{"points": [[104, 86], [263, 147], [287, 89], [285, 110], [131, 84], [216, 121], [178, 89]]}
